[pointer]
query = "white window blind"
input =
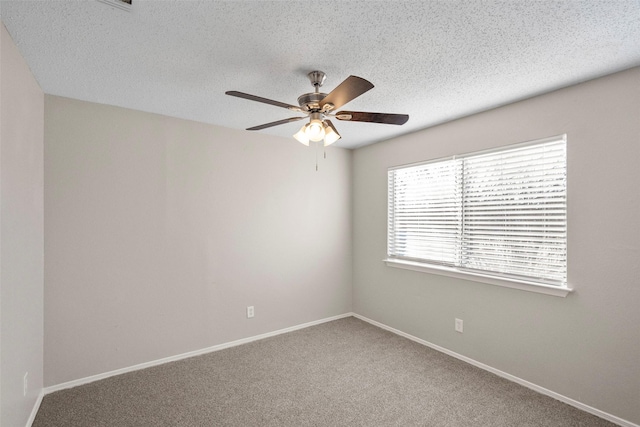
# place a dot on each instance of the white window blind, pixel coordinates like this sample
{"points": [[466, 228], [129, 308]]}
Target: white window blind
{"points": [[501, 212]]}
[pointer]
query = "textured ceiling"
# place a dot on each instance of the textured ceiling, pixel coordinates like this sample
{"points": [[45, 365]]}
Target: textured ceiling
{"points": [[434, 60]]}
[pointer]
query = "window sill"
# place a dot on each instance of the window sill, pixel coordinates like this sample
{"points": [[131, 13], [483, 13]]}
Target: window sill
{"points": [[491, 280]]}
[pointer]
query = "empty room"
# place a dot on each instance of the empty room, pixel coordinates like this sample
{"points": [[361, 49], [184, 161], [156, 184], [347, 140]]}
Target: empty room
{"points": [[339, 213]]}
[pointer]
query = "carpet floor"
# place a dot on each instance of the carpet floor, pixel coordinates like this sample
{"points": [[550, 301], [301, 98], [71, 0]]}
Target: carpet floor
{"points": [[341, 373]]}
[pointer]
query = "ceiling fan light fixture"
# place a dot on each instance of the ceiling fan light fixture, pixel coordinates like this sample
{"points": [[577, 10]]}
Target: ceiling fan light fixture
{"points": [[315, 129], [330, 135], [301, 136]]}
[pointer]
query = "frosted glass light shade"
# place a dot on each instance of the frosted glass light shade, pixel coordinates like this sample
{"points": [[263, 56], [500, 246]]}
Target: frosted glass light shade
{"points": [[330, 136], [301, 136]]}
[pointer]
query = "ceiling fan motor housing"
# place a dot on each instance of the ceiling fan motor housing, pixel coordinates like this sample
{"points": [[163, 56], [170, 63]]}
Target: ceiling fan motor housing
{"points": [[311, 101]]}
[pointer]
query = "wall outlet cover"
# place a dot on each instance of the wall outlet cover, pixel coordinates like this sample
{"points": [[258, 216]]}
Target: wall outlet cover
{"points": [[459, 325]]}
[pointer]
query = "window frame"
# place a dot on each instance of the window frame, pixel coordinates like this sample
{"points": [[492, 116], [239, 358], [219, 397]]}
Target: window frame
{"points": [[478, 276]]}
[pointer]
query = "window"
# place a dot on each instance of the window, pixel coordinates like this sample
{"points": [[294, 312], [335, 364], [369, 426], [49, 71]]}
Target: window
{"points": [[498, 214]]}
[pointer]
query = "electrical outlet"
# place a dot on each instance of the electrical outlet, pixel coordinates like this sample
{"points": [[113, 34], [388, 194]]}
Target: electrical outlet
{"points": [[459, 325], [24, 384], [250, 312]]}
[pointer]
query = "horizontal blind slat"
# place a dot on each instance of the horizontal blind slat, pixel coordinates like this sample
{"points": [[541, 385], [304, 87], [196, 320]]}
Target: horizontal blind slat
{"points": [[502, 212]]}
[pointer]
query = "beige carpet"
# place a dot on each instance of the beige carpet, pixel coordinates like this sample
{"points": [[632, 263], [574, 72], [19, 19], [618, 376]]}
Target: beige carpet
{"points": [[342, 373]]}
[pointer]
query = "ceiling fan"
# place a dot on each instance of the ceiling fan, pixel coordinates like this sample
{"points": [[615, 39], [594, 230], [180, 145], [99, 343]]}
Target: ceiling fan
{"points": [[320, 106]]}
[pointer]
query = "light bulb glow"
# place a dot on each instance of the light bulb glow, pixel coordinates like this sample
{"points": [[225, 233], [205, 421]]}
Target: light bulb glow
{"points": [[315, 130]]}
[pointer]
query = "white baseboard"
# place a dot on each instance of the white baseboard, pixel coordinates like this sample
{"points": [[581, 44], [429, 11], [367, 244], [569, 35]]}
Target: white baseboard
{"points": [[218, 347], [35, 409], [535, 387]]}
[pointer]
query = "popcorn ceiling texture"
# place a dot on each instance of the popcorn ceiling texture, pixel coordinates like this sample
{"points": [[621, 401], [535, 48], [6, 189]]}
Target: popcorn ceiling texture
{"points": [[434, 60]]}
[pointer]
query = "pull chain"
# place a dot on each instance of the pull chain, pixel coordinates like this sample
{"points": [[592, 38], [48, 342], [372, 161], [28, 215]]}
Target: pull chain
{"points": [[317, 156]]}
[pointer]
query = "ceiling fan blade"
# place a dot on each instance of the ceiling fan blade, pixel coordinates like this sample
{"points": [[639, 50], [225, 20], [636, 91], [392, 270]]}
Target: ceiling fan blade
{"points": [[351, 88], [263, 100], [384, 118], [279, 122]]}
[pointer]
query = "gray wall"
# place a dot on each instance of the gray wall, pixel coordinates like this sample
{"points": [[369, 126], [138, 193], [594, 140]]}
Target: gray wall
{"points": [[21, 235], [160, 231], [585, 346]]}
